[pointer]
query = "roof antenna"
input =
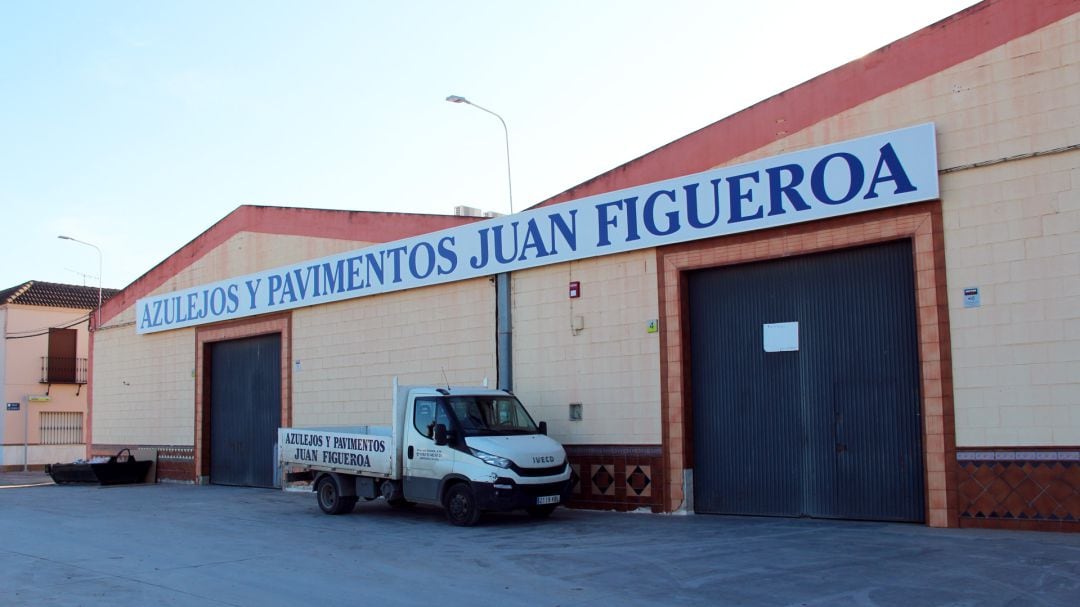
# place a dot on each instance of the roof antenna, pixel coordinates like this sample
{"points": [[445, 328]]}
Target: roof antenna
{"points": [[444, 378]]}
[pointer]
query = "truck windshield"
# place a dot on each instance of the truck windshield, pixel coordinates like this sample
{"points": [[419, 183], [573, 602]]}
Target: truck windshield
{"points": [[490, 415]]}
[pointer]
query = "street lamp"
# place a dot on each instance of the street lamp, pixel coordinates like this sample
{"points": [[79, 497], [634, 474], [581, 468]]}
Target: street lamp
{"points": [[506, 135], [97, 325]]}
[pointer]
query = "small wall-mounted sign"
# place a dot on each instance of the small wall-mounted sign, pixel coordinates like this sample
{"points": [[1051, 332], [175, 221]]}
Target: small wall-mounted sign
{"points": [[971, 297], [575, 289], [653, 326], [43, 398], [13, 406], [297, 365]]}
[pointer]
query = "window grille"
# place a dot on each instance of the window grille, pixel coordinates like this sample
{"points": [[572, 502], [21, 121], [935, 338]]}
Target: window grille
{"points": [[61, 427]]}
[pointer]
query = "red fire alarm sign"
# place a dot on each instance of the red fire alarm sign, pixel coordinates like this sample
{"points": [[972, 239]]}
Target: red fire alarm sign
{"points": [[575, 289]]}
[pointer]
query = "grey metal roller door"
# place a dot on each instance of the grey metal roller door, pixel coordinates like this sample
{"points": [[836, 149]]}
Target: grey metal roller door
{"points": [[830, 430], [245, 410]]}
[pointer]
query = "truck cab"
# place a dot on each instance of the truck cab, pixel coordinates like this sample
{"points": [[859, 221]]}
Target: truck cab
{"points": [[472, 450]]}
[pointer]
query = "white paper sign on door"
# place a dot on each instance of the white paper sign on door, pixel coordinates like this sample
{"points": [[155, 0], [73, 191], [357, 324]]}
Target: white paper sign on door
{"points": [[781, 337]]}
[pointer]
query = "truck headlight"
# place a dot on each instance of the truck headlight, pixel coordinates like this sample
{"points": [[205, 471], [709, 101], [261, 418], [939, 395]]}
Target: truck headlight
{"points": [[489, 459]]}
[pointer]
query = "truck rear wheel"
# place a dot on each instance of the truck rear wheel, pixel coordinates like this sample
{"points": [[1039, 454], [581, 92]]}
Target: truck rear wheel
{"points": [[330, 499], [460, 506]]}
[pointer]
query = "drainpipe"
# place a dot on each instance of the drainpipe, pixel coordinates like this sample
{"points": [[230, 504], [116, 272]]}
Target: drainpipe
{"points": [[504, 336]]}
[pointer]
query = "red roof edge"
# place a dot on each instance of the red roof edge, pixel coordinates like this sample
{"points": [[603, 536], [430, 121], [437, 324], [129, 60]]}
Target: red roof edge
{"points": [[956, 38], [364, 226], [55, 295]]}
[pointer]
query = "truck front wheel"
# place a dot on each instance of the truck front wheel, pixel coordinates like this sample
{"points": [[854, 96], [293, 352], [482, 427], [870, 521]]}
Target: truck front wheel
{"points": [[330, 499], [460, 506]]}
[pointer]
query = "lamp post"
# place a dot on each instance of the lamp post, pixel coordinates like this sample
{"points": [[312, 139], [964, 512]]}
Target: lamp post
{"points": [[97, 324], [506, 136], [504, 329]]}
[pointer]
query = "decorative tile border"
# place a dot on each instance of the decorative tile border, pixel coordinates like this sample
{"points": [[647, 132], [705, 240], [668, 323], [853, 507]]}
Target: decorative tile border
{"points": [[616, 477], [1019, 456], [575, 480], [1024, 488], [639, 480], [603, 479], [172, 463], [176, 465]]}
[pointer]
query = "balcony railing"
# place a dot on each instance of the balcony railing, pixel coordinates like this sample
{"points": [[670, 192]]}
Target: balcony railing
{"points": [[62, 370]]}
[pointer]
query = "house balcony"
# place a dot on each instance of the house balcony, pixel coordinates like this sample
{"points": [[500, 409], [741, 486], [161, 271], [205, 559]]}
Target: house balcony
{"points": [[63, 370]]}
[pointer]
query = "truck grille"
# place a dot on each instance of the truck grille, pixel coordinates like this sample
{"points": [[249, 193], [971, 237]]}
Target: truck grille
{"points": [[531, 472]]}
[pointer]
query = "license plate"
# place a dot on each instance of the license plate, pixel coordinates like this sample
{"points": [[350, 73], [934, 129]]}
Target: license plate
{"points": [[547, 499]]}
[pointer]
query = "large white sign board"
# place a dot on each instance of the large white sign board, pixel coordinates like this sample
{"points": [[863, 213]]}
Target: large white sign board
{"points": [[875, 172]]}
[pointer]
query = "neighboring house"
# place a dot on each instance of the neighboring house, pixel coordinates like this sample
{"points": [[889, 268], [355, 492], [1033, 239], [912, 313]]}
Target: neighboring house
{"points": [[43, 372]]}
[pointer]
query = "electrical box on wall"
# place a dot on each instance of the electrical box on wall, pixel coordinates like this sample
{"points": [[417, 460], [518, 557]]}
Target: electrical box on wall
{"points": [[575, 412], [575, 289]]}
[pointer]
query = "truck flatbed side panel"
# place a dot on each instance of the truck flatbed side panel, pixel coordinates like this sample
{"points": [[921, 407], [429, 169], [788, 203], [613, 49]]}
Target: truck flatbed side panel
{"points": [[379, 430], [337, 450]]}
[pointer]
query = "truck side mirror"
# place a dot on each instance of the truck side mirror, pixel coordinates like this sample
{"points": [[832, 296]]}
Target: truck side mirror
{"points": [[543, 428], [440, 434]]}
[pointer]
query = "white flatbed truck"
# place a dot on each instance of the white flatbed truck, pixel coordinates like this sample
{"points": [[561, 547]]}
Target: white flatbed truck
{"points": [[466, 449]]}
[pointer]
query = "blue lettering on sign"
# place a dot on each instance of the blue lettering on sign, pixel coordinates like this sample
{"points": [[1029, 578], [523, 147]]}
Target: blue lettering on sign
{"points": [[781, 187], [253, 288], [395, 254], [422, 265], [693, 211], [650, 214], [448, 255], [865, 174], [854, 178], [888, 159], [534, 244], [737, 193], [333, 276]]}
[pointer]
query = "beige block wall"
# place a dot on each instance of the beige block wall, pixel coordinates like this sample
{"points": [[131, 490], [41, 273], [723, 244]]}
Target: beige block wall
{"points": [[611, 367], [349, 352], [144, 385], [1011, 229]]}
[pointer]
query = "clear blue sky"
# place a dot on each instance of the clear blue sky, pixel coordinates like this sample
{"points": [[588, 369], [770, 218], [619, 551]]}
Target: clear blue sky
{"points": [[137, 125]]}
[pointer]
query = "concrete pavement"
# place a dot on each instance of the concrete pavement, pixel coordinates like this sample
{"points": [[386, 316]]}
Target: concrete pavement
{"points": [[30, 478], [190, 545]]}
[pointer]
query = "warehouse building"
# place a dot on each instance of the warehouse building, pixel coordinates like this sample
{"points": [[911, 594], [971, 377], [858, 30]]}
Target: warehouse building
{"points": [[857, 299]]}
